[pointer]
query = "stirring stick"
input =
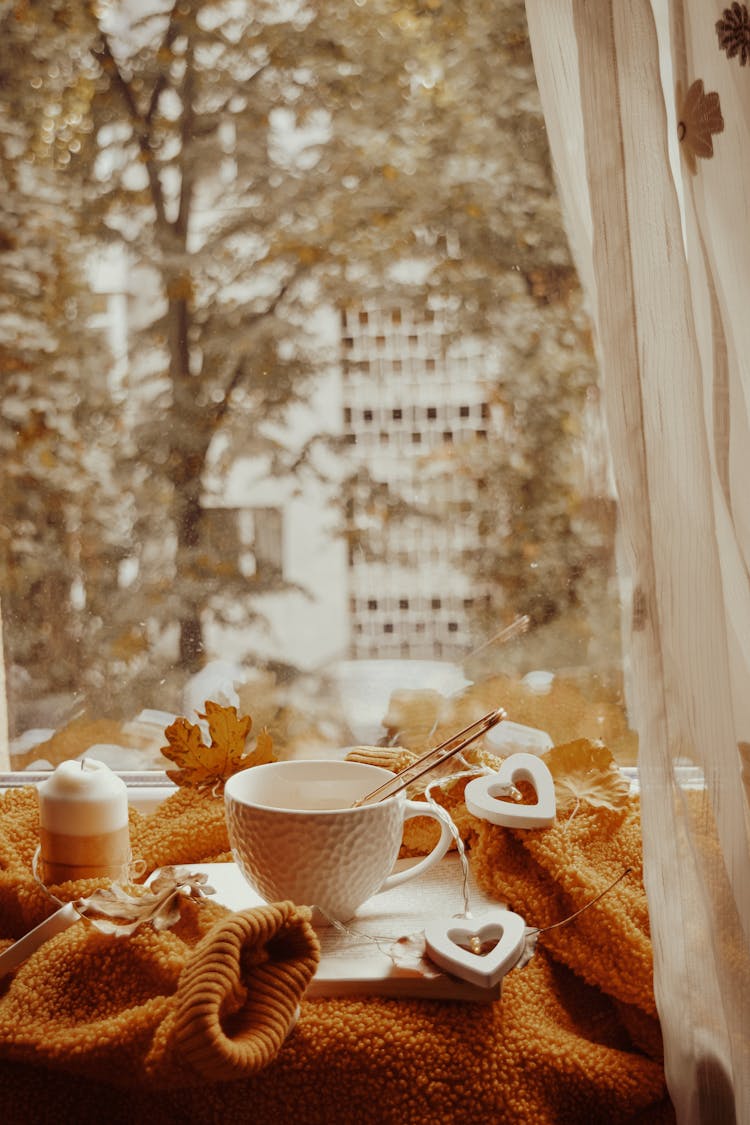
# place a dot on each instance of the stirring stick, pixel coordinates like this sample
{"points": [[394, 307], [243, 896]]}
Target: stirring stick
{"points": [[442, 753]]}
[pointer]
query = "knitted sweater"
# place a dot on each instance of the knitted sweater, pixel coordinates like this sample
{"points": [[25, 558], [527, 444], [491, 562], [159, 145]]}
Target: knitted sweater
{"points": [[196, 1023]]}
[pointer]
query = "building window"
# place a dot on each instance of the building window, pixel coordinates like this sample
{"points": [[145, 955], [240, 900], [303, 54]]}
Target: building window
{"points": [[268, 540]]}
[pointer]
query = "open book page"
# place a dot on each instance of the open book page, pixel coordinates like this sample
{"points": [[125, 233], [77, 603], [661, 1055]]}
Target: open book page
{"points": [[379, 950]]}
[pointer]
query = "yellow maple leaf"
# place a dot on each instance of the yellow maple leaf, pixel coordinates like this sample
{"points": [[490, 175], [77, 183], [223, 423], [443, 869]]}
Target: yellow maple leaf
{"points": [[585, 771], [208, 767]]}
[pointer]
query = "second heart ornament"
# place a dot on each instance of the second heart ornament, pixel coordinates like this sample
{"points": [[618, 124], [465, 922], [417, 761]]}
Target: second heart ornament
{"points": [[448, 944], [481, 794]]}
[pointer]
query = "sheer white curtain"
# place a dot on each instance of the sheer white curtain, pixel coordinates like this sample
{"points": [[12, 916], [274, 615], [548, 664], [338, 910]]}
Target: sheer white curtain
{"points": [[647, 105]]}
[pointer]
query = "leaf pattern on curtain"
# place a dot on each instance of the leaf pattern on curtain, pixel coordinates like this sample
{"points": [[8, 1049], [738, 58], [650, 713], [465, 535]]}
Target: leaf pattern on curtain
{"points": [[699, 118], [733, 30], [662, 252]]}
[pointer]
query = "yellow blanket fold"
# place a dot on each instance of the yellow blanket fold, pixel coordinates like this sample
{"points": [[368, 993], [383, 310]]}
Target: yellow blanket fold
{"points": [[211, 999], [548, 875], [193, 1023]]}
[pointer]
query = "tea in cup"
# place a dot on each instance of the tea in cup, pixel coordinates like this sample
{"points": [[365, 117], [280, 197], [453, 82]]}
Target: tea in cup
{"points": [[295, 833]]}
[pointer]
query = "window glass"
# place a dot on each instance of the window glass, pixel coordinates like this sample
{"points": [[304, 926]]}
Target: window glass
{"points": [[299, 406]]}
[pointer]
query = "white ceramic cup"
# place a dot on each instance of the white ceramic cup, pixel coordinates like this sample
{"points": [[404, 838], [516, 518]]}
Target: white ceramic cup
{"points": [[295, 835]]}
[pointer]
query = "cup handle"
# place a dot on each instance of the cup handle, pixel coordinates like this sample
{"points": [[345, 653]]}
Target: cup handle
{"points": [[421, 808]]}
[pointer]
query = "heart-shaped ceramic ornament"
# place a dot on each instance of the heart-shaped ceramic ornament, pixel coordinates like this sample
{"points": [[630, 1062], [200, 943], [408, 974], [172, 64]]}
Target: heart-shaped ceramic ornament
{"points": [[448, 944], [481, 794]]}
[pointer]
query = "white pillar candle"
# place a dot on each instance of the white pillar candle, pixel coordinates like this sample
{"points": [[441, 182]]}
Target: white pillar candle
{"points": [[83, 814]]}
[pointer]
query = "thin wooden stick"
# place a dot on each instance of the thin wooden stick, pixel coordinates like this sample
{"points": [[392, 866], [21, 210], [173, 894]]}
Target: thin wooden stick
{"points": [[442, 753]]}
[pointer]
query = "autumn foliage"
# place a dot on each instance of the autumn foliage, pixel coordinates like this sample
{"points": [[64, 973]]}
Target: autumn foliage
{"points": [[207, 767]]}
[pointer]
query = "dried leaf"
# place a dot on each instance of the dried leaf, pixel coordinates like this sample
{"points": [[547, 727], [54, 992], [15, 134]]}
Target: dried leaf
{"points": [[188, 750], [530, 936], [585, 771], [409, 956], [208, 767], [113, 910], [227, 729]]}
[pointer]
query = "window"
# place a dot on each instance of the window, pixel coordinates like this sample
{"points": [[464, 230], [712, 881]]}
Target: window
{"points": [[330, 423], [268, 539]]}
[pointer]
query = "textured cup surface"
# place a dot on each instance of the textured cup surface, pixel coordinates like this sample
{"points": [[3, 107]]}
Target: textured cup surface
{"points": [[295, 836]]}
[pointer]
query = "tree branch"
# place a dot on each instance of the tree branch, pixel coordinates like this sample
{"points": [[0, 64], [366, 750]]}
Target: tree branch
{"points": [[140, 125], [160, 84], [186, 130], [222, 408]]}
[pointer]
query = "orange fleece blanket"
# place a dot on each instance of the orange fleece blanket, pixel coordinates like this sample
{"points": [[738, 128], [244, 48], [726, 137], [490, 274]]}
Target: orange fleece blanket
{"points": [[192, 1024]]}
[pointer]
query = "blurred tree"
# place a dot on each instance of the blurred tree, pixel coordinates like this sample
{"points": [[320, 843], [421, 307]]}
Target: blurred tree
{"points": [[59, 509], [254, 160]]}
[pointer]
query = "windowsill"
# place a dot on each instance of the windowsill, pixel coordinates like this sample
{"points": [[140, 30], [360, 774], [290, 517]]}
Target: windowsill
{"points": [[146, 791]]}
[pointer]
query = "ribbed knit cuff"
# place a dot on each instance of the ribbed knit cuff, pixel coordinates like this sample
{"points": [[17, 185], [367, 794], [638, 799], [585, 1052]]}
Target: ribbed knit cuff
{"points": [[238, 994]]}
